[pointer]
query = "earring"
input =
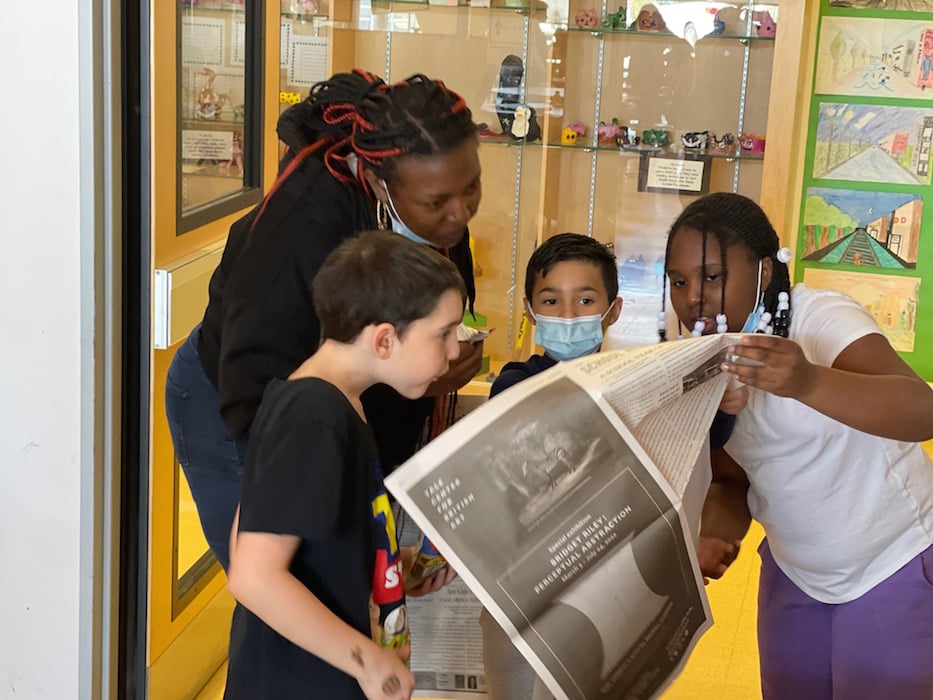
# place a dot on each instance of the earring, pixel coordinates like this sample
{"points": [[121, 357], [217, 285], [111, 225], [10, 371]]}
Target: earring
{"points": [[383, 221]]}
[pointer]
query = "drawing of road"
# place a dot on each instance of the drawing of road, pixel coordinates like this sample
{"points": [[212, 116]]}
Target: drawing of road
{"points": [[872, 165]]}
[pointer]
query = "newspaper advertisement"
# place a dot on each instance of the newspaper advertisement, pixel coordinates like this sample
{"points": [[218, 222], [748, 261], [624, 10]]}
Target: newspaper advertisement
{"points": [[447, 644], [560, 503]]}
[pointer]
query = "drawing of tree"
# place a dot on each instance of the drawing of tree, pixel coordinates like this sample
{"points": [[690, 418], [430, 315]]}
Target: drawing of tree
{"points": [[837, 49]]}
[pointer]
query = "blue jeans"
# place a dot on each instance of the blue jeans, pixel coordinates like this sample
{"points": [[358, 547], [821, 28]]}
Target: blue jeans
{"points": [[210, 456]]}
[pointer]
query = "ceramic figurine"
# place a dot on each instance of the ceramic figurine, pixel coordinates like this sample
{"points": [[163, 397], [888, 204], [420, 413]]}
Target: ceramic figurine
{"points": [[649, 20], [579, 127], [236, 153], [627, 137], [616, 20], [695, 139], [209, 102], [719, 27], [723, 144], [525, 123], [656, 137], [764, 24], [510, 79], [607, 133], [304, 6], [568, 137], [752, 145], [586, 19]]}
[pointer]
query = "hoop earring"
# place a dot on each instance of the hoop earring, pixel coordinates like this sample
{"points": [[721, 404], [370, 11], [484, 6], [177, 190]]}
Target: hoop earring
{"points": [[383, 220]]}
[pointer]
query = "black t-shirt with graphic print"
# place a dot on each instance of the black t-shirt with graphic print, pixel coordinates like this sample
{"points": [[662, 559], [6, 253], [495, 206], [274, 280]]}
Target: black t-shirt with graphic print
{"points": [[311, 470]]}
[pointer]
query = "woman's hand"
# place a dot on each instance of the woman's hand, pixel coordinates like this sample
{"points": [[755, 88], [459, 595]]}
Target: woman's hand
{"points": [[383, 675], [461, 370]]}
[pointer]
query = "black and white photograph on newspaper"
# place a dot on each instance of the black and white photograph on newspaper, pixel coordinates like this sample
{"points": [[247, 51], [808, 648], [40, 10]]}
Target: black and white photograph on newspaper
{"points": [[555, 522]]}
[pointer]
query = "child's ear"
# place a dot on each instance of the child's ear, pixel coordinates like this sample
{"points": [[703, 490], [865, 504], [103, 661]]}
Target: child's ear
{"points": [[529, 314], [615, 310], [382, 340], [767, 269]]}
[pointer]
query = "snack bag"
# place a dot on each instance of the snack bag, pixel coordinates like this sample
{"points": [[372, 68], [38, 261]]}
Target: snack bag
{"points": [[428, 561]]}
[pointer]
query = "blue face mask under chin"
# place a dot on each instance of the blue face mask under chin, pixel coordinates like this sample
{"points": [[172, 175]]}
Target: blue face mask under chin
{"points": [[569, 338], [398, 225]]}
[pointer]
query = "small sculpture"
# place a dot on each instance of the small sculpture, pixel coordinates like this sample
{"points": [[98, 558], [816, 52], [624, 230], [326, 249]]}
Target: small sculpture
{"points": [[236, 153], [209, 102], [616, 20], [511, 72], [525, 123], [649, 20], [695, 139], [752, 145], [586, 19], [723, 144], [656, 137], [304, 6], [627, 137], [607, 133], [719, 27], [572, 132], [764, 24]]}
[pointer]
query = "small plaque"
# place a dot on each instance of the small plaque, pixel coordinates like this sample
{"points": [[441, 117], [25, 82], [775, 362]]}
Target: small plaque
{"points": [[678, 173]]}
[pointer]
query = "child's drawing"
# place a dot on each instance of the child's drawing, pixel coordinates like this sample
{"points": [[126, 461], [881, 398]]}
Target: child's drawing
{"points": [[874, 57], [874, 229], [893, 5], [890, 299], [871, 143]]}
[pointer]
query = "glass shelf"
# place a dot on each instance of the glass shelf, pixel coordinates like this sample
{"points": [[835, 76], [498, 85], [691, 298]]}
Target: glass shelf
{"points": [[306, 16], [606, 148], [605, 31]]}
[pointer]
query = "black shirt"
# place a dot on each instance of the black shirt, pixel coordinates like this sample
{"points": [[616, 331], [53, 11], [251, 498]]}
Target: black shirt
{"points": [[260, 321], [312, 471]]}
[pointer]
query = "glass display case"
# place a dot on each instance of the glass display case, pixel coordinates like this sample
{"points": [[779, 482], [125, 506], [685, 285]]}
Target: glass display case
{"points": [[594, 118], [219, 109]]}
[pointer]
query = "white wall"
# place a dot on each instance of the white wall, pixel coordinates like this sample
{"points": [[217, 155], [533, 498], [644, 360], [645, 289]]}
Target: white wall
{"points": [[41, 450]]}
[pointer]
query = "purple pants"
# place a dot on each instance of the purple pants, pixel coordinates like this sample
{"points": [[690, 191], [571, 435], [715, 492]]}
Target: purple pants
{"points": [[876, 647]]}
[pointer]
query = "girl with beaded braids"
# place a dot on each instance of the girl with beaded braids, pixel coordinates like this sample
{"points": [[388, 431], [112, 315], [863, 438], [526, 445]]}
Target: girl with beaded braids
{"points": [[825, 456], [361, 154]]}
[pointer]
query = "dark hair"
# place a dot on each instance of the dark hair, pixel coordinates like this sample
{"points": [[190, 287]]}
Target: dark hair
{"points": [[737, 220], [572, 246], [380, 277], [358, 113]]}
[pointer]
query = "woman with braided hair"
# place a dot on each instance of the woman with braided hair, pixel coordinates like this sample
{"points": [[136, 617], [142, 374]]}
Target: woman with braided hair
{"points": [[825, 456], [361, 155]]}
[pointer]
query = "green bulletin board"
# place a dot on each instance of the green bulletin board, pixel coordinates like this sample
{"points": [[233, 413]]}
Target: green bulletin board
{"points": [[866, 222]]}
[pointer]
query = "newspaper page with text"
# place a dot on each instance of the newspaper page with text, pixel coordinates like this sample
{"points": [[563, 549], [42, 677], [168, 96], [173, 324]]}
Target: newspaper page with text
{"points": [[550, 504]]}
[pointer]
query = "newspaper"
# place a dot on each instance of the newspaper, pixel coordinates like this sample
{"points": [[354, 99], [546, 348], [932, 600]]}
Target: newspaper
{"points": [[560, 503]]}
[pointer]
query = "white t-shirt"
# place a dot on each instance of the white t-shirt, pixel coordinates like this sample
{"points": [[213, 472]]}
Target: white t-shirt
{"points": [[842, 509]]}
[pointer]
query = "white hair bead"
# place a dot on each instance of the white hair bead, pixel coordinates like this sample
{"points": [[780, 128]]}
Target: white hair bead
{"points": [[784, 255], [783, 296], [697, 329]]}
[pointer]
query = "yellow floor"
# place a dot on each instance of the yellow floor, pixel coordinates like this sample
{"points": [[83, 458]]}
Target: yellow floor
{"points": [[724, 664]]}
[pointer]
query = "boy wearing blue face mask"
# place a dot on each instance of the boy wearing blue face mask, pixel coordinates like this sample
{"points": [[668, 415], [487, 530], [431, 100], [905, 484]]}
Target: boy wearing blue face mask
{"points": [[572, 297]]}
